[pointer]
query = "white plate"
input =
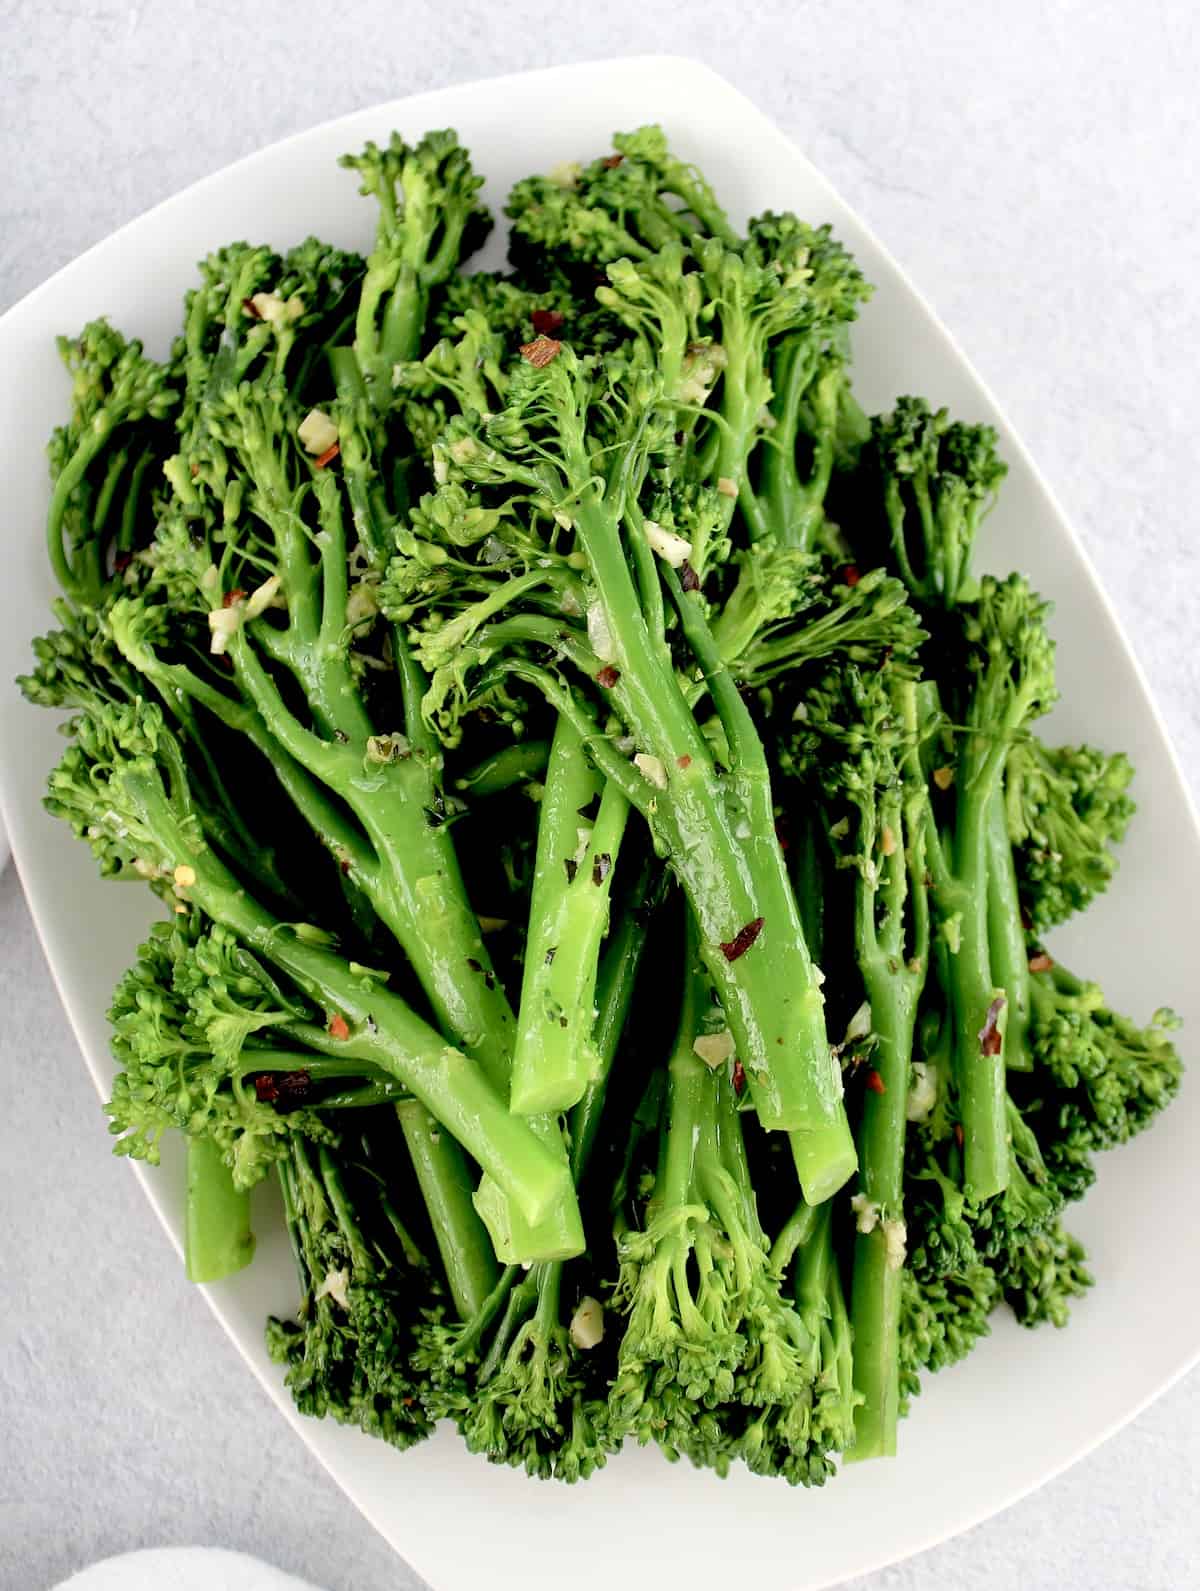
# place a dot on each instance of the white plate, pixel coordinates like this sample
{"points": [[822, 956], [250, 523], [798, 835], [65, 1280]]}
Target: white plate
{"points": [[1024, 1406]]}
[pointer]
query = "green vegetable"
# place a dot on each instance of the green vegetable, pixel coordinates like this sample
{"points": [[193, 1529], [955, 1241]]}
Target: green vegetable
{"points": [[122, 786], [217, 1241], [346, 1355], [1066, 808], [590, 776], [579, 837]]}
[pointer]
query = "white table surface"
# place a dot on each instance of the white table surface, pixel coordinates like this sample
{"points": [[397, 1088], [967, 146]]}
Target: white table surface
{"points": [[1033, 163]]}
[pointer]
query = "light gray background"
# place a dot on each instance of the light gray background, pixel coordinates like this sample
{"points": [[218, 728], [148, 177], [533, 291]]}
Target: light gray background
{"points": [[1033, 163]]}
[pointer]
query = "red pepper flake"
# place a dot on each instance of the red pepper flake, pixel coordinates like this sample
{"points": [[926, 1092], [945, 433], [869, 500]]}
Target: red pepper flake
{"points": [[608, 677], [874, 1082], [739, 1077], [1041, 962], [742, 940], [344, 864], [851, 575], [991, 1040], [547, 321], [541, 351], [339, 1028], [327, 457], [121, 562], [781, 835], [251, 308], [611, 162], [683, 762], [958, 1134], [195, 471], [230, 597], [287, 1091], [688, 578]]}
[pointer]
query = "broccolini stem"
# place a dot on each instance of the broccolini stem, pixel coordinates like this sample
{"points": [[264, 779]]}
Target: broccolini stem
{"points": [[518, 1240], [744, 741], [875, 1314], [960, 894], [524, 760], [217, 1236], [795, 1233], [78, 588], [131, 506], [272, 1059], [806, 855], [689, 1087], [893, 998], [368, 509], [890, 893], [776, 500], [1006, 937], [817, 1284], [496, 1300], [791, 510], [343, 1213], [331, 543], [400, 330], [293, 1220], [365, 1096], [979, 1007], [517, 1302], [615, 983], [649, 586], [579, 835], [694, 193], [878, 1257], [103, 507], [446, 1187]]}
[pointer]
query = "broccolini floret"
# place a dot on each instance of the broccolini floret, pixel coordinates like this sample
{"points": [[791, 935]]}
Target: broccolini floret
{"points": [[1066, 807]]}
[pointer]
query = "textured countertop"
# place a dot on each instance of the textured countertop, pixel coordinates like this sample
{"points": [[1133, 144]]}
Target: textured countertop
{"points": [[1028, 163]]}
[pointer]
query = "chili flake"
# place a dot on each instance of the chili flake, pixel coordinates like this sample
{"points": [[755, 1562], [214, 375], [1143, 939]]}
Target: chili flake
{"points": [[742, 940]]}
